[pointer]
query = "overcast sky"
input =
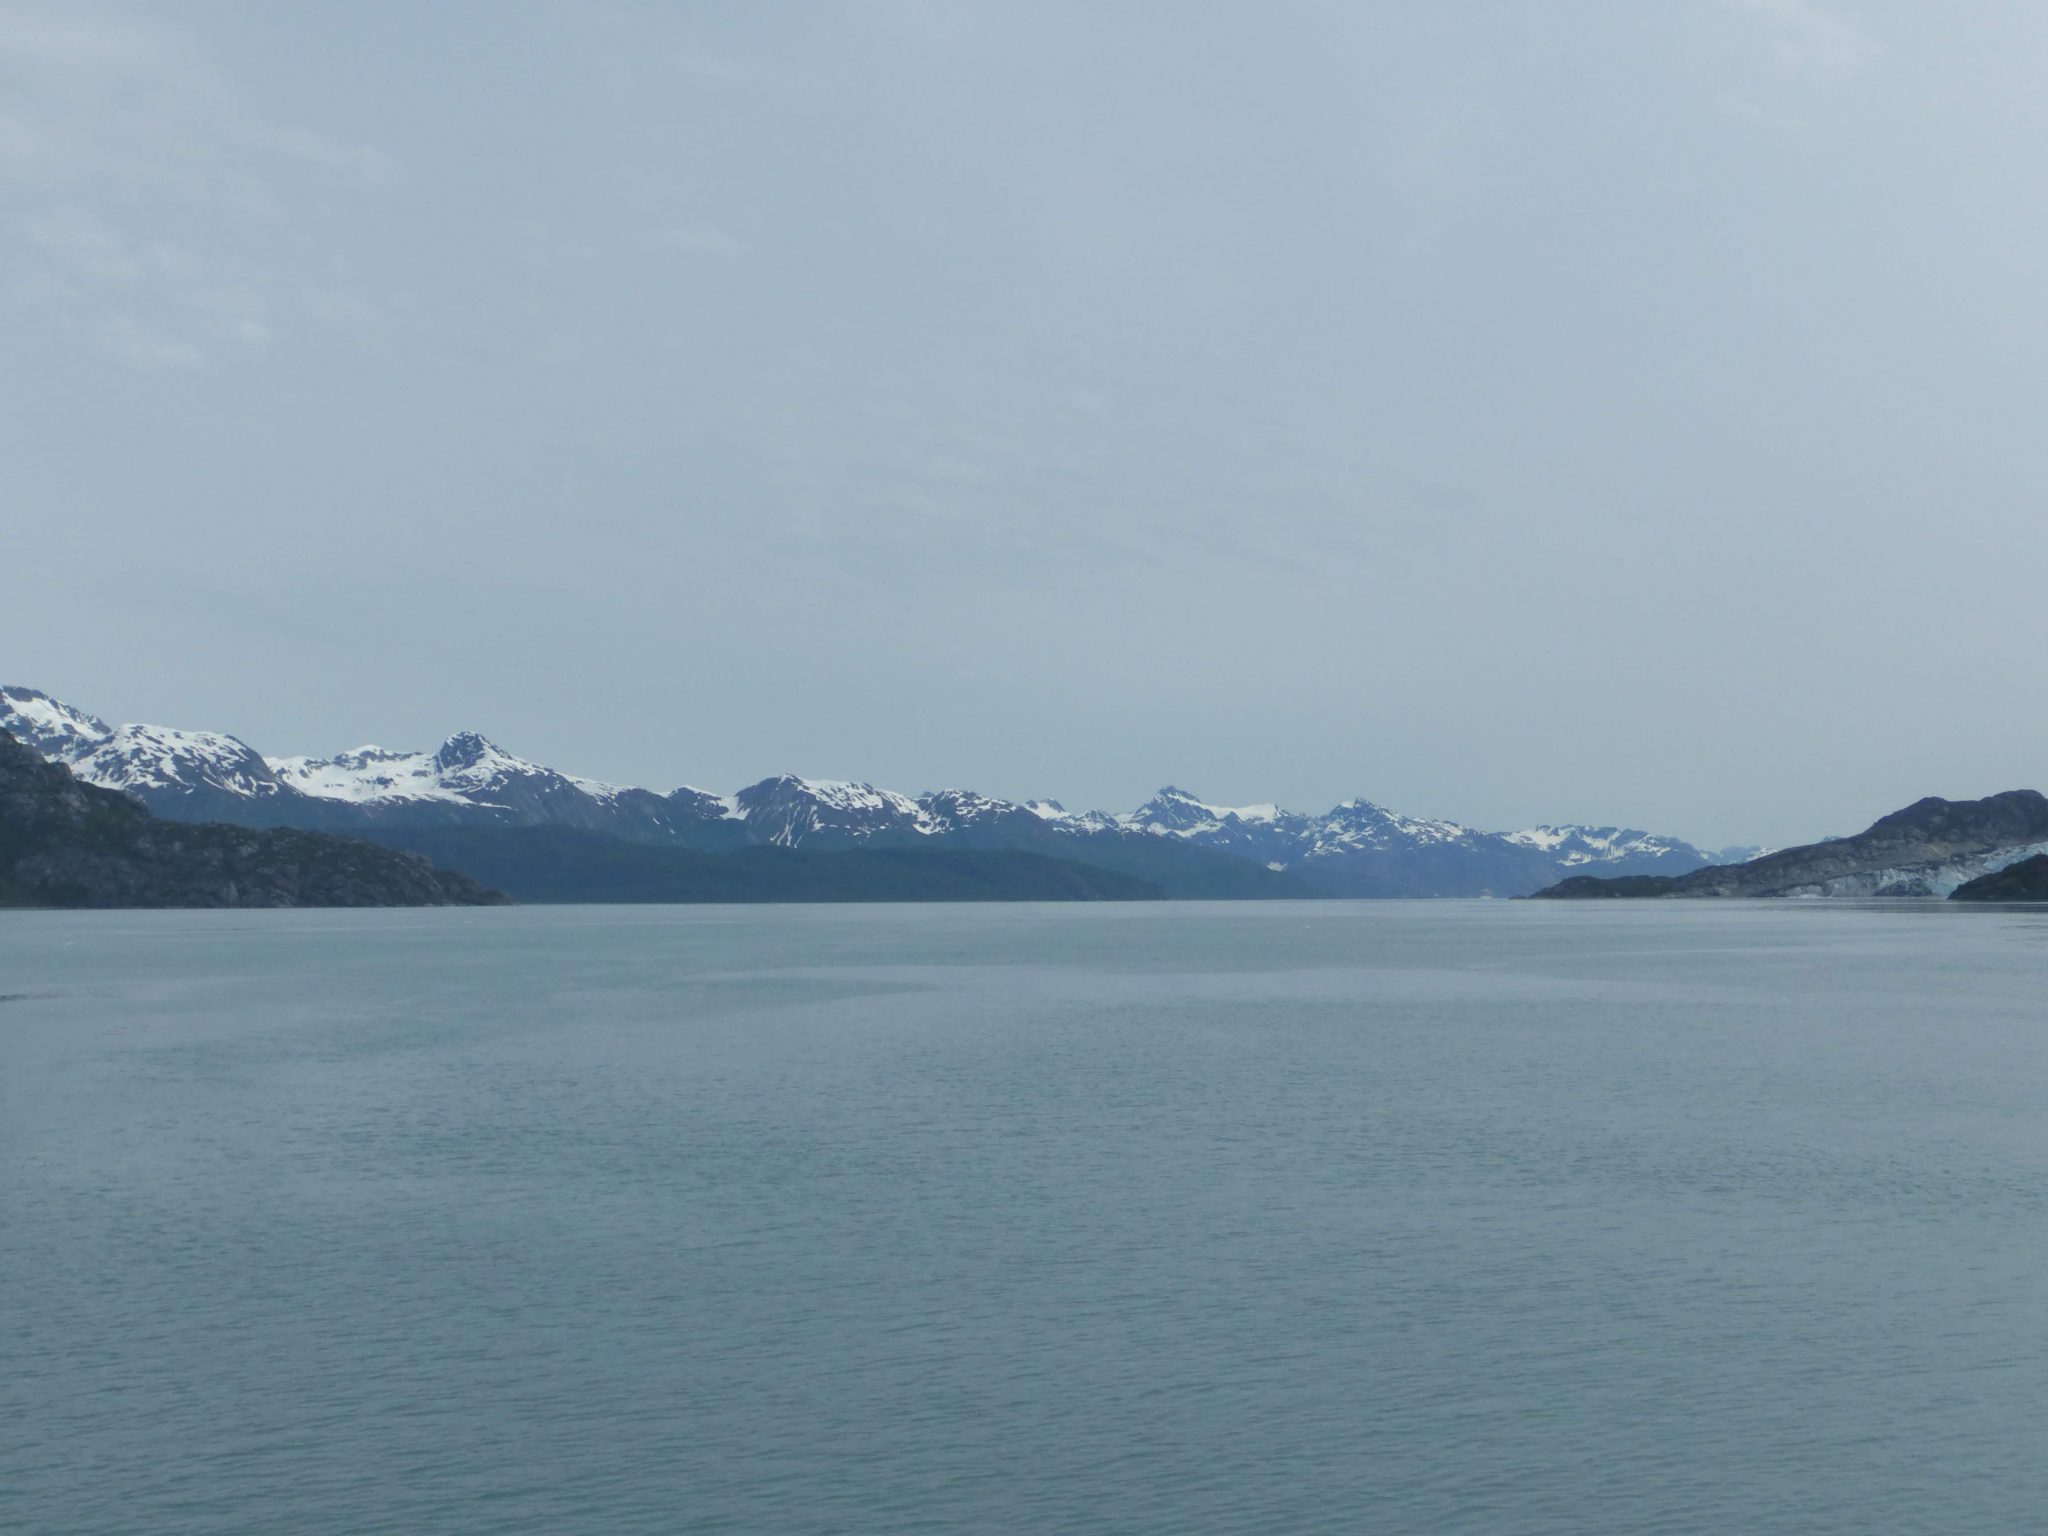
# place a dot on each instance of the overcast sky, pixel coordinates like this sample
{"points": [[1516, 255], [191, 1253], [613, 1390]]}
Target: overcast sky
{"points": [[1512, 412]]}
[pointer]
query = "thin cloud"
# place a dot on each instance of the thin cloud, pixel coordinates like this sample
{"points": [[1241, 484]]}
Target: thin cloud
{"points": [[364, 163], [144, 349], [75, 236], [704, 240], [1813, 42], [139, 195], [69, 43]]}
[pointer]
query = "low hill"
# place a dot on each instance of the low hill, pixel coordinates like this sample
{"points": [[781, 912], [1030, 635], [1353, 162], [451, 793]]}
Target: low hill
{"points": [[1618, 887], [67, 844], [1930, 848], [562, 864]]}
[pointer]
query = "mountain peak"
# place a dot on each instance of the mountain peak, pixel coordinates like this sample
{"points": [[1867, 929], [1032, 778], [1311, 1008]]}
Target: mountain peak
{"points": [[50, 726], [2018, 811], [465, 749]]}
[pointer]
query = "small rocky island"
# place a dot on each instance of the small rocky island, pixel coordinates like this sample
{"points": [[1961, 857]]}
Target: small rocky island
{"points": [[67, 844]]}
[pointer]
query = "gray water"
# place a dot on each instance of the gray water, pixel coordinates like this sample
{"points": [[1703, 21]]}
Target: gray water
{"points": [[1336, 1217]]}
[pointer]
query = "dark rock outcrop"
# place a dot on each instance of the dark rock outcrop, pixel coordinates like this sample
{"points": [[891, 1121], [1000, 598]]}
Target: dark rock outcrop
{"points": [[68, 844], [2024, 881], [561, 864]]}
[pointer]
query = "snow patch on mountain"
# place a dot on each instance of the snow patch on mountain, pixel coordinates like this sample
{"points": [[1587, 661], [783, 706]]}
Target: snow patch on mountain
{"points": [[1176, 813], [466, 769], [140, 758], [787, 810], [52, 727], [1361, 824], [951, 810], [364, 776], [1071, 821], [1573, 845]]}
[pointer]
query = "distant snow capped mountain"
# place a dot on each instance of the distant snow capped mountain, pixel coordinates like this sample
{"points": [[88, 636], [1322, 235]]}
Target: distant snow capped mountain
{"points": [[1261, 832], [146, 759], [964, 815], [190, 775], [789, 812], [1742, 853], [53, 729], [467, 769], [1354, 849], [470, 775], [1362, 849], [1053, 811], [207, 776], [1572, 846], [1176, 811]]}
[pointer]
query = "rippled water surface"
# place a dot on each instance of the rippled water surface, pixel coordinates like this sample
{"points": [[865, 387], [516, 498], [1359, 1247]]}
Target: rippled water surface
{"points": [[1501, 1218]]}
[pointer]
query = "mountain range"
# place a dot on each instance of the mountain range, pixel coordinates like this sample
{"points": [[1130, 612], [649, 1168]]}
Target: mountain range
{"points": [[1176, 841]]}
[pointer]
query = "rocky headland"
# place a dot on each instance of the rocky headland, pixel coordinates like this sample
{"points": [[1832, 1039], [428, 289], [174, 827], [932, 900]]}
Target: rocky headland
{"points": [[1931, 848], [2024, 881]]}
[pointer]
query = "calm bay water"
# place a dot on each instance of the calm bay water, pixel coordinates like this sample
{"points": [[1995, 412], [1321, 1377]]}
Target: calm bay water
{"points": [[1502, 1218]]}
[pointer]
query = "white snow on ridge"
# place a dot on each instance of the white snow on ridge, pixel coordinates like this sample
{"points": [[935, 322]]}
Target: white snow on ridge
{"points": [[50, 725], [365, 776], [1173, 812], [788, 809], [465, 768], [1263, 812], [1574, 845], [844, 795], [1058, 815], [160, 757], [1361, 824]]}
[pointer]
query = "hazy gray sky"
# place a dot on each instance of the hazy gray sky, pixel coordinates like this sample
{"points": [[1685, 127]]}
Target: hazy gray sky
{"points": [[1622, 412]]}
